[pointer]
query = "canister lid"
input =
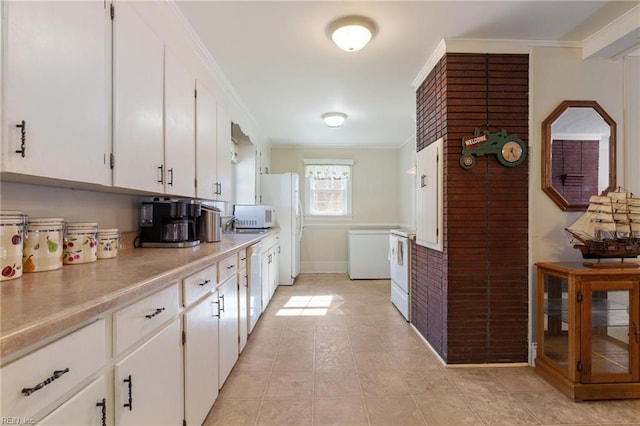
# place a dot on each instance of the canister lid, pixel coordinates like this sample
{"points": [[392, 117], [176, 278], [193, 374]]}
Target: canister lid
{"points": [[82, 226], [12, 217], [108, 231], [46, 221]]}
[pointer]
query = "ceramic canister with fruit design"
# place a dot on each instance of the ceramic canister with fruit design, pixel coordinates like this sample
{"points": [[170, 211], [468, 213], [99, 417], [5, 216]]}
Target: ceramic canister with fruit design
{"points": [[80, 243], [43, 244], [108, 243], [12, 225]]}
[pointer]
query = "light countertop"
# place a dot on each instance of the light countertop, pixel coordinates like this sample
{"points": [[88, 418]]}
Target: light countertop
{"points": [[39, 305]]}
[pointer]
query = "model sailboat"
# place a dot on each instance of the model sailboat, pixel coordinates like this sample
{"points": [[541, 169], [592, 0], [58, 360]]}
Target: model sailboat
{"points": [[610, 228]]}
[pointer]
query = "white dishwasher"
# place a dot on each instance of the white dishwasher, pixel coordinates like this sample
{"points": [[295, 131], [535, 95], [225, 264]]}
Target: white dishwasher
{"points": [[400, 261], [368, 254]]}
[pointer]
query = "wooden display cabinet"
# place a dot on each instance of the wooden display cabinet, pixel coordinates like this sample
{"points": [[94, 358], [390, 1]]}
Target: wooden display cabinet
{"points": [[589, 330]]}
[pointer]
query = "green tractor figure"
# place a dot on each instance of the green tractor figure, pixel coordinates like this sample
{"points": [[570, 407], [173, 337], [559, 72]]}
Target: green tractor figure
{"points": [[510, 149]]}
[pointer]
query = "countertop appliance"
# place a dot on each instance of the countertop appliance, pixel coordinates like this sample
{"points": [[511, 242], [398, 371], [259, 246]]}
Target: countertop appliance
{"points": [[282, 191], [169, 223], [400, 260], [368, 253], [254, 216], [209, 225]]}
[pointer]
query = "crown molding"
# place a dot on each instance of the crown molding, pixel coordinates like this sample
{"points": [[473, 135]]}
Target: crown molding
{"points": [[496, 46], [618, 37], [215, 71]]}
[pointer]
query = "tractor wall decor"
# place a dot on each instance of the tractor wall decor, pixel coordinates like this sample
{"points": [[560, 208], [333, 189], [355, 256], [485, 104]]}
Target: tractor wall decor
{"points": [[510, 149]]}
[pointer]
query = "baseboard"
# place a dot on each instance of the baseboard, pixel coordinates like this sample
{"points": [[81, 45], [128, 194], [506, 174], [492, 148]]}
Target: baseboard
{"points": [[323, 267], [488, 365]]}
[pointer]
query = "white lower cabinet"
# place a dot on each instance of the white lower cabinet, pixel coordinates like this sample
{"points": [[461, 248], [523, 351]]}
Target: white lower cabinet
{"points": [[87, 408], [201, 359], [270, 268], [228, 327], [39, 379], [243, 308], [148, 382]]}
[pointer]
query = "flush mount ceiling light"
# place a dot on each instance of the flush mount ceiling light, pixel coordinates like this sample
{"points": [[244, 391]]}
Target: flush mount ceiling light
{"points": [[334, 119], [352, 33]]}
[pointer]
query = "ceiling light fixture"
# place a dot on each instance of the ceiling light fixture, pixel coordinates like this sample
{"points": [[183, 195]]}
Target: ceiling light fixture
{"points": [[352, 33], [334, 119]]}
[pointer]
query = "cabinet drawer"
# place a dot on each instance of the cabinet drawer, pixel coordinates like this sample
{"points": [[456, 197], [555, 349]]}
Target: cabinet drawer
{"points": [[242, 259], [144, 317], [227, 267], [34, 381], [198, 284]]}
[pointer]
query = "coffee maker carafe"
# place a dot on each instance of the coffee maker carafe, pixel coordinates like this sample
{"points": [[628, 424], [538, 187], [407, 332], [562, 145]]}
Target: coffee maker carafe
{"points": [[169, 223]]}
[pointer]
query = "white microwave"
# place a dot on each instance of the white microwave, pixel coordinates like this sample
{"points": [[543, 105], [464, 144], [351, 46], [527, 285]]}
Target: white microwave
{"points": [[254, 216]]}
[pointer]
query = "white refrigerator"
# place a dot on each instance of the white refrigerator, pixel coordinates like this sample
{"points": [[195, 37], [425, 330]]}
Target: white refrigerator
{"points": [[282, 191]]}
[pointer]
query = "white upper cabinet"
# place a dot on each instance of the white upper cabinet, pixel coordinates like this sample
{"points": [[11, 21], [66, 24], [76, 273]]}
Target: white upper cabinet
{"points": [[225, 191], [57, 82], [206, 158], [137, 102], [180, 138], [429, 202]]}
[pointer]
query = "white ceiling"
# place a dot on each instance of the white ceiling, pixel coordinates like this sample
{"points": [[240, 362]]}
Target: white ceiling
{"points": [[287, 72]]}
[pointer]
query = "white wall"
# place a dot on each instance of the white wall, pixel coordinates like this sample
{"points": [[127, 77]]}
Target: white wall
{"points": [[73, 205], [376, 201], [407, 189]]}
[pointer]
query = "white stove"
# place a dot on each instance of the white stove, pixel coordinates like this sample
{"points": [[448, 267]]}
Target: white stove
{"points": [[400, 258]]}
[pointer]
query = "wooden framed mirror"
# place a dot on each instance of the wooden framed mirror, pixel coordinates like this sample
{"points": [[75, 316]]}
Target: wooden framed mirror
{"points": [[578, 154]]}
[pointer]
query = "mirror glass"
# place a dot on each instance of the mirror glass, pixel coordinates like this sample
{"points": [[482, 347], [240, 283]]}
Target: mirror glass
{"points": [[578, 148]]}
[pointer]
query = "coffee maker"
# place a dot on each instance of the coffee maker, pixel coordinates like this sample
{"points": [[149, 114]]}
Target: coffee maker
{"points": [[169, 223]]}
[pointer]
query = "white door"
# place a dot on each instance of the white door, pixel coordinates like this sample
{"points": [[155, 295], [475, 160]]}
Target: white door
{"points": [[57, 81], [243, 309], [86, 408], [228, 338], [206, 157], [148, 382], [201, 359], [138, 146], [179, 120]]}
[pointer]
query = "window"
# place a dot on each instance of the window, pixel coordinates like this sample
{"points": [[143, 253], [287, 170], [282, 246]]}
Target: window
{"points": [[328, 187]]}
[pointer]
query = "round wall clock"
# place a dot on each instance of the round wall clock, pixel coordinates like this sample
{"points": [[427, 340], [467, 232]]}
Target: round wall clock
{"points": [[512, 153]]}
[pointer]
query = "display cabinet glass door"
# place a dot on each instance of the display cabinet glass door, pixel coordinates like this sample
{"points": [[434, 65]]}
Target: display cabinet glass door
{"points": [[610, 334], [557, 333]]}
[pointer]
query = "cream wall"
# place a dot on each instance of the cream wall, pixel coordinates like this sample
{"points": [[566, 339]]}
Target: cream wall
{"points": [[558, 74], [375, 202]]}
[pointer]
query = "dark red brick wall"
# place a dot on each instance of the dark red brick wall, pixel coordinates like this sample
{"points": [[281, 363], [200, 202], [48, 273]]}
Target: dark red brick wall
{"points": [[471, 301]]}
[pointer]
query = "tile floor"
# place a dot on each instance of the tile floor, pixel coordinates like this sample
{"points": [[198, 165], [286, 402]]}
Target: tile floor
{"points": [[331, 351]]}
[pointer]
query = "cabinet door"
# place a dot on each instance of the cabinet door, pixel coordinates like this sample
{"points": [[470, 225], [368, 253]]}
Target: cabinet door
{"points": [[87, 408], [228, 338], [57, 81], [610, 337], [201, 359], [137, 102], [225, 191], [180, 137], [274, 269], [206, 158], [429, 188], [265, 266], [243, 308], [148, 382]]}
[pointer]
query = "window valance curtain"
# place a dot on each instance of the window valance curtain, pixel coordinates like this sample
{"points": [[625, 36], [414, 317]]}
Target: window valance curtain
{"points": [[327, 171]]}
